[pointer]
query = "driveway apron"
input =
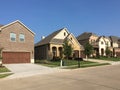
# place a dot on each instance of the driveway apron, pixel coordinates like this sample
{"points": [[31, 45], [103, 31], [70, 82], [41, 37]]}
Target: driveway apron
{"points": [[25, 70]]}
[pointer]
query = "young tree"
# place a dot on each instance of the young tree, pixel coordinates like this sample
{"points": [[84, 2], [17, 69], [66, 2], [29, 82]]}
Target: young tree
{"points": [[88, 50], [67, 49], [107, 51]]}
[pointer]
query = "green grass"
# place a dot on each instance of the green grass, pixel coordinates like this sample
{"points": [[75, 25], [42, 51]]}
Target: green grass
{"points": [[109, 58], [4, 69], [86, 65], [4, 75], [69, 63]]}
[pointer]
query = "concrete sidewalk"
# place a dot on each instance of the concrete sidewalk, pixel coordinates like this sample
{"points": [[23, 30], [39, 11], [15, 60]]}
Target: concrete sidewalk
{"points": [[103, 61]]}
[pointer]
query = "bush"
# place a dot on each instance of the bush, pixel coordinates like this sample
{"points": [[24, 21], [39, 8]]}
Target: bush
{"points": [[42, 61], [56, 59], [70, 58], [81, 59]]}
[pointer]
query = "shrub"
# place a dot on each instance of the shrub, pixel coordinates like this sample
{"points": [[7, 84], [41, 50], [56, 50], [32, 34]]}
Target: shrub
{"points": [[56, 59], [81, 59]]}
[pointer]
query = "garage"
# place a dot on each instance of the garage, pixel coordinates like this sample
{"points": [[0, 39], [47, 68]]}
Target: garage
{"points": [[15, 57]]}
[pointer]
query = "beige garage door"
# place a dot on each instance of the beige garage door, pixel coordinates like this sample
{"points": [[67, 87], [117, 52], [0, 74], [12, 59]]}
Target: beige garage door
{"points": [[16, 57]]}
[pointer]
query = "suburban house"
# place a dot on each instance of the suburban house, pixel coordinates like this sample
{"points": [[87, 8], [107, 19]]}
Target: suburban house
{"points": [[52, 45], [87, 37], [17, 43], [115, 44], [102, 43]]}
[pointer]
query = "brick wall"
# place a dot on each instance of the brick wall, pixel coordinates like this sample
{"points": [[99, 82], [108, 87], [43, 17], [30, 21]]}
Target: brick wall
{"points": [[17, 46]]}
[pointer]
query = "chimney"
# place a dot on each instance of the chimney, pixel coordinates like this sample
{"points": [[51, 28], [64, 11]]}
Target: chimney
{"points": [[43, 37]]}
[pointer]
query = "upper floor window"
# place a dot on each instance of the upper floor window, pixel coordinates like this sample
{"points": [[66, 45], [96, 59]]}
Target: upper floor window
{"points": [[22, 37], [64, 34], [13, 37], [102, 42]]}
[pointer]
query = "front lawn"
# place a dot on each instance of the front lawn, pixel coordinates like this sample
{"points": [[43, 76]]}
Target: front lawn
{"points": [[69, 63], [4, 69], [109, 58], [86, 65]]}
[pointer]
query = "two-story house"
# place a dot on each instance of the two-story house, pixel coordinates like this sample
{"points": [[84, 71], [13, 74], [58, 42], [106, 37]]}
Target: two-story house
{"points": [[99, 43], [103, 42], [17, 43], [87, 37], [115, 43], [52, 45]]}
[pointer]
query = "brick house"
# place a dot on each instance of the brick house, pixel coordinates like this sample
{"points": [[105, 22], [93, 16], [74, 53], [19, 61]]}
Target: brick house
{"points": [[99, 43], [17, 42], [88, 37], [52, 45], [115, 44]]}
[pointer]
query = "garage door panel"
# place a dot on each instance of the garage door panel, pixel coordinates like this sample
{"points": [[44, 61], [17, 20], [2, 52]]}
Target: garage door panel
{"points": [[16, 57]]}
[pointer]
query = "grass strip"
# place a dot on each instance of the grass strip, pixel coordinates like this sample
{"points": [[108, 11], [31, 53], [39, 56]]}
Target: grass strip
{"points": [[4, 69], [4, 75], [85, 65]]}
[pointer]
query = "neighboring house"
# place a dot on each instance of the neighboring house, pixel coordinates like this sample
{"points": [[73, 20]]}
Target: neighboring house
{"points": [[99, 43], [103, 42], [115, 43], [52, 45], [87, 37], [17, 42]]}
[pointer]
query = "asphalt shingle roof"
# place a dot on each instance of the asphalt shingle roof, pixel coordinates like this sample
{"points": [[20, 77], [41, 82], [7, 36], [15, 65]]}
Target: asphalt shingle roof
{"points": [[49, 39], [85, 35], [114, 38]]}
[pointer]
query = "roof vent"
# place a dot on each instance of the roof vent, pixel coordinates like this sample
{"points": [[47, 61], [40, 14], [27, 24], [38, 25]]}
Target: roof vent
{"points": [[43, 37]]}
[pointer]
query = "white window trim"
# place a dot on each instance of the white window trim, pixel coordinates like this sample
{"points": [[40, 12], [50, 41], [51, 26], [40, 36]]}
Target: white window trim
{"points": [[11, 36], [19, 37]]}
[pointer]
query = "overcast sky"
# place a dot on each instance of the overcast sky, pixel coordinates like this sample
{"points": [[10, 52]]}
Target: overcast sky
{"points": [[46, 16]]}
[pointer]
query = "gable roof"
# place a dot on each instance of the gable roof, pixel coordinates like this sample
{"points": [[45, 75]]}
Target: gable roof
{"points": [[4, 26], [114, 38], [85, 35], [49, 38], [104, 38]]}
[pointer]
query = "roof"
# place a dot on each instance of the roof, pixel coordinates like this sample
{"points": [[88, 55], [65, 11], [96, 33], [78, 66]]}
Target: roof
{"points": [[100, 38], [85, 35], [49, 39], [4, 26], [114, 38]]}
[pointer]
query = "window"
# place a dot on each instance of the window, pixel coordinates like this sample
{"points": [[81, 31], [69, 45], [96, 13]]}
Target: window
{"points": [[13, 37], [22, 37], [64, 34], [102, 42]]}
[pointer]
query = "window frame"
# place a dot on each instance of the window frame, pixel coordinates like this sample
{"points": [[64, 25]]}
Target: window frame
{"points": [[12, 35], [23, 37]]}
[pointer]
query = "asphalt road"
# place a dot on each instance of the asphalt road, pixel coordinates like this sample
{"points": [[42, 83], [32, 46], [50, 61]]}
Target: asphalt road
{"points": [[95, 78]]}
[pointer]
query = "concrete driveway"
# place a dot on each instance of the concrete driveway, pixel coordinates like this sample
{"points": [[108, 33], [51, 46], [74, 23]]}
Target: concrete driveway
{"points": [[25, 70]]}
